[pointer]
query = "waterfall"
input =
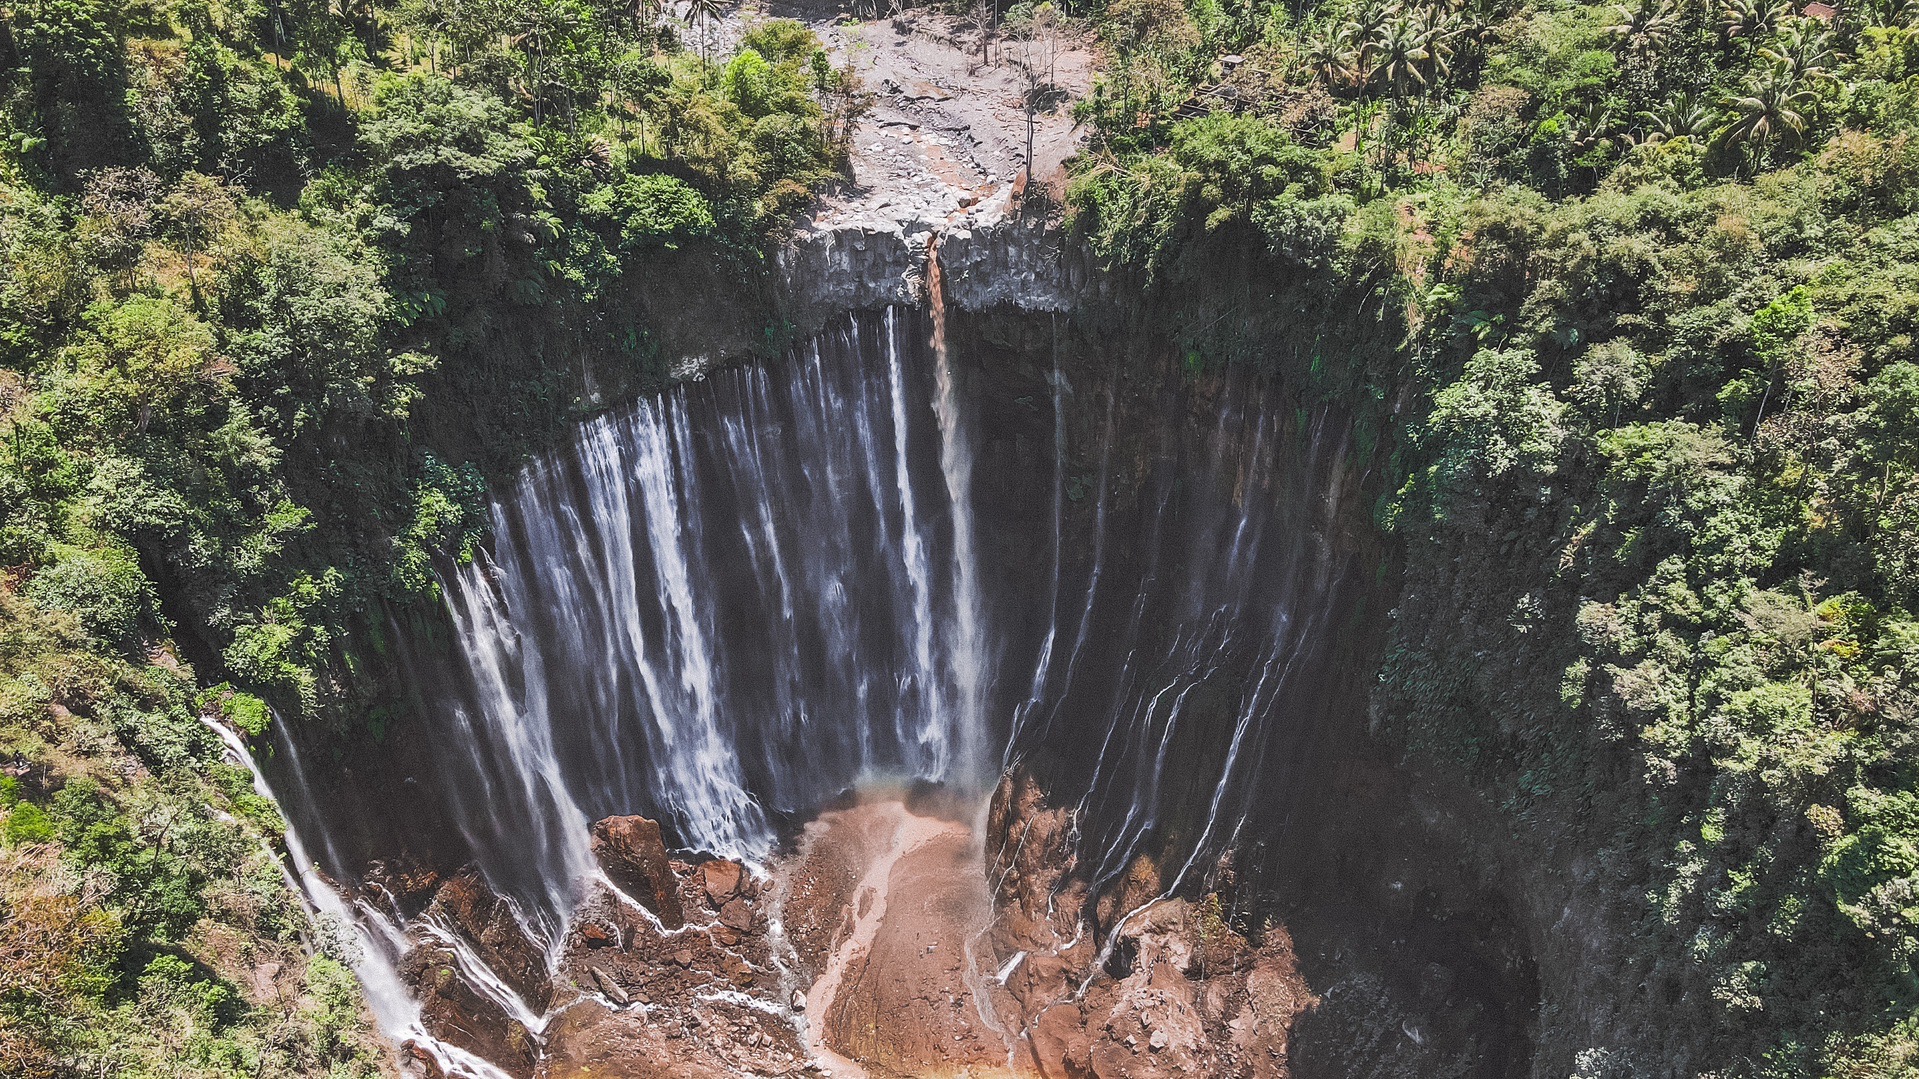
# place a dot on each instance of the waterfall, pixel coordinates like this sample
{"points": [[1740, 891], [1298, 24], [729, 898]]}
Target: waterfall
{"points": [[720, 608], [727, 604], [956, 465], [367, 935]]}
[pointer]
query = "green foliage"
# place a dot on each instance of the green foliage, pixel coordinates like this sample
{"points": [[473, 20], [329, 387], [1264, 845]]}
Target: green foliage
{"points": [[1497, 419], [1649, 268], [104, 589], [26, 823], [280, 292], [652, 211]]}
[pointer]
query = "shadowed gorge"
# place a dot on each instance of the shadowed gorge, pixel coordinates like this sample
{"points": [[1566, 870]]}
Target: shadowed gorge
{"points": [[726, 607], [959, 539]]}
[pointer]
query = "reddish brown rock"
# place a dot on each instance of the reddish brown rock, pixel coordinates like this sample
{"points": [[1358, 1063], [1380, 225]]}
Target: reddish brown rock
{"points": [[721, 880], [468, 907], [737, 915], [416, 1061], [633, 854], [454, 1012], [405, 884], [1060, 1045]]}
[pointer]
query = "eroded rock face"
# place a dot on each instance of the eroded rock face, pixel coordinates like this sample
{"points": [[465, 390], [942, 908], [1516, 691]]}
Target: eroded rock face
{"points": [[1172, 990], [458, 1014], [706, 999], [884, 904], [991, 257], [463, 915], [633, 854], [465, 906]]}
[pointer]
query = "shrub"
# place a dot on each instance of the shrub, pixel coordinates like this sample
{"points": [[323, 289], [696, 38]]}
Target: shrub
{"points": [[104, 589]]}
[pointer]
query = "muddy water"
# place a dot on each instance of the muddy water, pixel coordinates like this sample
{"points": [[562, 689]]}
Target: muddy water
{"points": [[887, 899]]}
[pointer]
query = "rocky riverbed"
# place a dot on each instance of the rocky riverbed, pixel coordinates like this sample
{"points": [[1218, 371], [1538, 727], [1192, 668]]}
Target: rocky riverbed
{"points": [[886, 943]]}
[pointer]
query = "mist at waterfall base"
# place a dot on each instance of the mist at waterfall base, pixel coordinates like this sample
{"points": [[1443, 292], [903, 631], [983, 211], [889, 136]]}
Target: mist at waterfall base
{"points": [[725, 606]]}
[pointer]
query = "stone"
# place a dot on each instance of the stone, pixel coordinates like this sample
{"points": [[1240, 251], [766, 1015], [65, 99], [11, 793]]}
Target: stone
{"points": [[737, 915], [610, 988], [1060, 1044], [405, 884], [721, 879], [633, 853], [470, 908], [458, 1014]]}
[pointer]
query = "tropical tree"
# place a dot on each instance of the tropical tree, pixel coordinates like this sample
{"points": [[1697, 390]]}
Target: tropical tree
{"points": [[1332, 53], [1774, 108], [540, 30], [1751, 20], [703, 14], [1804, 48], [1686, 116], [1445, 31], [1399, 55], [1592, 127], [1644, 26]]}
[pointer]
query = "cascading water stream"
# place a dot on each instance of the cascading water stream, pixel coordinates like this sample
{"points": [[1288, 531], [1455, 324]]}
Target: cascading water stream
{"points": [[969, 656], [368, 936], [722, 607], [726, 605]]}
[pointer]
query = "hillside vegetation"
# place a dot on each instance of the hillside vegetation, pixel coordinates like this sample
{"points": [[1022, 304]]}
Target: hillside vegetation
{"points": [[247, 251], [1655, 411], [1656, 268]]}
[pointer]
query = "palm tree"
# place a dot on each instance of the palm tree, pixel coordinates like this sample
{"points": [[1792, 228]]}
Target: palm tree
{"points": [[1399, 55], [1443, 29], [703, 13], [1370, 16], [1804, 48], [1775, 107], [1686, 116], [1751, 20], [1331, 54], [1895, 13], [1644, 26]]}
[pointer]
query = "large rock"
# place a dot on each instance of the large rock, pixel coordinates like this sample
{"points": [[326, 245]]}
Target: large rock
{"points": [[461, 1016], [721, 881], [633, 853], [465, 905]]}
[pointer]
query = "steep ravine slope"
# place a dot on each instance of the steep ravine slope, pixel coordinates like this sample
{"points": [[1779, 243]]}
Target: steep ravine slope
{"points": [[1309, 864]]}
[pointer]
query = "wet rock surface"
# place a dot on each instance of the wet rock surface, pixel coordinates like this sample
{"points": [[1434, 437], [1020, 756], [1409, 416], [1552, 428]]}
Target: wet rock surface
{"points": [[885, 903], [885, 944], [633, 854], [1170, 988]]}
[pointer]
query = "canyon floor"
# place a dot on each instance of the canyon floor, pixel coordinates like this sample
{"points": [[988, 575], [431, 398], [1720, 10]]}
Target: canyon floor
{"points": [[899, 936]]}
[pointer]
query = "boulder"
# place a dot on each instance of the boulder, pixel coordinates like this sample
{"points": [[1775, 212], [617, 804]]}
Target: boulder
{"points": [[721, 879], [737, 915], [1059, 1043], [456, 1013], [406, 884], [633, 853], [465, 905]]}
